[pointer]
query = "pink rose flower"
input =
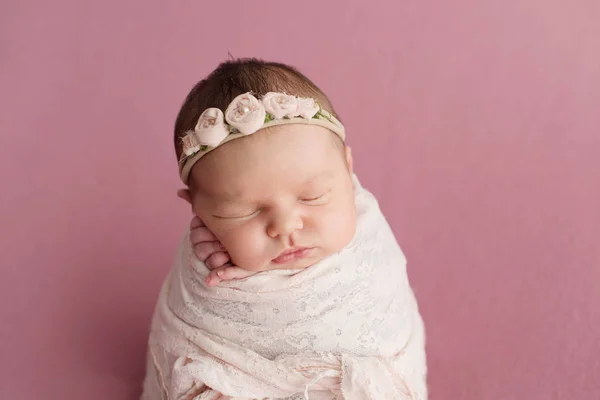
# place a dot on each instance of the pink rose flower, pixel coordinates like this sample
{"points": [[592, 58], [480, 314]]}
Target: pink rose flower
{"points": [[246, 114], [280, 105], [190, 144], [307, 108], [210, 129]]}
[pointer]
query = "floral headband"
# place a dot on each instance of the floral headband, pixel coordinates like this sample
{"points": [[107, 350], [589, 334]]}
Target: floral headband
{"points": [[247, 115]]}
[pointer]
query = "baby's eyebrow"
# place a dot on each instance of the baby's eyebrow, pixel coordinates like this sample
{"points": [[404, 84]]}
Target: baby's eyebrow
{"points": [[319, 177], [236, 197], [230, 198], [225, 196]]}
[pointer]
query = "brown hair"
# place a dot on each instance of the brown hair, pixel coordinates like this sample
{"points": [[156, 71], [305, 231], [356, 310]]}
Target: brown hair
{"points": [[235, 77]]}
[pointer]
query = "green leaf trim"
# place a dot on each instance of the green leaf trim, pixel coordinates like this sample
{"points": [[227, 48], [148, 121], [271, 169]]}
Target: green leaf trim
{"points": [[321, 115]]}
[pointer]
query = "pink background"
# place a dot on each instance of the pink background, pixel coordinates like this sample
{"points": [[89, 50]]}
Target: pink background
{"points": [[486, 115]]}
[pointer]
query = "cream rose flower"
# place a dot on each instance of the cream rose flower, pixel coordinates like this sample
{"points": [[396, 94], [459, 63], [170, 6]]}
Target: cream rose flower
{"points": [[210, 129], [280, 105], [246, 114], [190, 144], [307, 108]]}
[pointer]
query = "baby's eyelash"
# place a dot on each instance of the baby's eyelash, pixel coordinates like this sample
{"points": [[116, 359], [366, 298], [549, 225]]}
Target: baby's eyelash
{"points": [[312, 198], [238, 216], [316, 198]]}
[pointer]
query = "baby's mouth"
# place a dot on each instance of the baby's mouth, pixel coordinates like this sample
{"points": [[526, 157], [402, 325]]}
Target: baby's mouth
{"points": [[292, 254]]}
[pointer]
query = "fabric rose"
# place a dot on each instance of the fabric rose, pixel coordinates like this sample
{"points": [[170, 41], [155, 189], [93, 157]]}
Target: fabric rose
{"points": [[210, 129], [280, 105], [307, 108], [190, 144], [246, 114]]}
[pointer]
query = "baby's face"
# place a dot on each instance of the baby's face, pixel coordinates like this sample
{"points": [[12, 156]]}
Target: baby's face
{"points": [[272, 193]]}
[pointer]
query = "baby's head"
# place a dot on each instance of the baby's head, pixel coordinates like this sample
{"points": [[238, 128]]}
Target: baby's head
{"points": [[271, 182]]}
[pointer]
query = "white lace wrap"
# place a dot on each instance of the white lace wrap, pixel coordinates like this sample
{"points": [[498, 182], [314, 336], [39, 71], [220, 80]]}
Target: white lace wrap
{"points": [[345, 328]]}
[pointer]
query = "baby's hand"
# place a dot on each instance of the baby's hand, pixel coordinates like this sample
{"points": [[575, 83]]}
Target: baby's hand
{"points": [[226, 273], [211, 252], [206, 246]]}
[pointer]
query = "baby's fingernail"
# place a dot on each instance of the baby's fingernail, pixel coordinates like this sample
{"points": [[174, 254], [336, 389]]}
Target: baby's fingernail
{"points": [[220, 273]]}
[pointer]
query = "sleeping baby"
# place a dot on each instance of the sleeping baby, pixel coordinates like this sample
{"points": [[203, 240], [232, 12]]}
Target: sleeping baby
{"points": [[314, 301]]}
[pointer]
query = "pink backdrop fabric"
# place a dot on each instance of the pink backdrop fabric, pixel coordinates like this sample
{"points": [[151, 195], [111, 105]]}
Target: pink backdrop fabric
{"points": [[477, 125]]}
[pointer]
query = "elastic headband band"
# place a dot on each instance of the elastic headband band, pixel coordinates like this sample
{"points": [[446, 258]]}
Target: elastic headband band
{"points": [[247, 115]]}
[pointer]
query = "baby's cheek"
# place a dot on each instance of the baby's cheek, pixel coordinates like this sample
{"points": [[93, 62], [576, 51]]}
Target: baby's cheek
{"points": [[246, 247], [339, 227]]}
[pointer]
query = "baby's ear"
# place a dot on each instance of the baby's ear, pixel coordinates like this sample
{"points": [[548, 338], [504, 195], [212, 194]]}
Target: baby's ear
{"points": [[185, 195], [349, 160]]}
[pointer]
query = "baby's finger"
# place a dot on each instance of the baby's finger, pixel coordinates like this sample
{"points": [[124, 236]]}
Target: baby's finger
{"points": [[213, 278], [231, 272], [204, 250], [200, 235], [226, 273], [196, 222], [217, 260]]}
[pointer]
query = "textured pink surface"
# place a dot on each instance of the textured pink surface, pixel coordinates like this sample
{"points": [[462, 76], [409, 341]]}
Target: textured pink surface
{"points": [[487, 118]]}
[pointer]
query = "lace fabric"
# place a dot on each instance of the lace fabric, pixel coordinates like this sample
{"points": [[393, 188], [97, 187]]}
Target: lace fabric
{"points": [[345, 328]]}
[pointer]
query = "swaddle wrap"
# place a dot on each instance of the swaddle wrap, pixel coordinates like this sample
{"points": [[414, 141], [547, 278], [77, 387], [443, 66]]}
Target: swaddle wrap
{"points": [[347, 327]]}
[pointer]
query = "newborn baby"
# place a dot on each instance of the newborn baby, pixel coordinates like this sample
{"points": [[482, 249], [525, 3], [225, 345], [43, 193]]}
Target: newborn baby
{"points": [[318, 304], [287, 210]]}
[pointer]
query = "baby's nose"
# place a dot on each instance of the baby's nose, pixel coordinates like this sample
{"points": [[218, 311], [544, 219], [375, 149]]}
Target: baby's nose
{"points": [[284, 224]]}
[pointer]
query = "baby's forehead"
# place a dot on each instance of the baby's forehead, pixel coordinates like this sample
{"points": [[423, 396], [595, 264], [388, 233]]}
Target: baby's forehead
{"points": [[282, 153], [281, 143], [314, 134]]}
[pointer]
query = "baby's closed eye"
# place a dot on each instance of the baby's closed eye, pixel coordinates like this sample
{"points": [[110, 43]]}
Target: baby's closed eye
{"points": [[241, 214], [315, 198]]}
